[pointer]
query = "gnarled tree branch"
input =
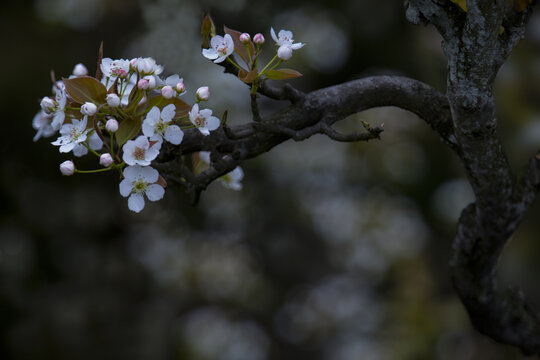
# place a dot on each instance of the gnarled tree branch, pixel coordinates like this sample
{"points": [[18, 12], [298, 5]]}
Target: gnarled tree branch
{"points": [[313, 114]]}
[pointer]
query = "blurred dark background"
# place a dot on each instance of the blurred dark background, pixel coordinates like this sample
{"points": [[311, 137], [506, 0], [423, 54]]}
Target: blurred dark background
{"points": [[331, 251]]}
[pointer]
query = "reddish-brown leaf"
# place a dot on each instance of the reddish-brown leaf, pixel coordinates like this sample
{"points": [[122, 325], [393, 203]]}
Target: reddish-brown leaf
{"points": [[281, 74], [239, 46], [247, 77], [127, 130], [86, 89]]}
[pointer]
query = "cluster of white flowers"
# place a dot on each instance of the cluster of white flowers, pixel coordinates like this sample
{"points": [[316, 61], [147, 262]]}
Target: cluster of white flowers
{"points": [[127, 111], [122, 116]]}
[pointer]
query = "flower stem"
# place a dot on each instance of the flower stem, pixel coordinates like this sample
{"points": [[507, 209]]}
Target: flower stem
{"points": [[234, 63], [94, 171], [91, 150], [266, 67]]}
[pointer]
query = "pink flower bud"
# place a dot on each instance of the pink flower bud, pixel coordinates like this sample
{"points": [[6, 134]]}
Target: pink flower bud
{"points": [[258, 39], [180, 87], [142, 84], [167, 92], [113, 100], [88, 108], [245, 38], [203, 93], [105, 159], [111, 125], [47, 104], [284, 52], [67, 168], [80, 70]]}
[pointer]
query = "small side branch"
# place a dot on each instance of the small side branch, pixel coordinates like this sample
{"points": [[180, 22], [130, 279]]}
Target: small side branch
{"points": [[373, 133]]}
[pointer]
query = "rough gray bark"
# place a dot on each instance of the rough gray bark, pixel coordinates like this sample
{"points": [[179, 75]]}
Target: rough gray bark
{"points": [[476, 44]]}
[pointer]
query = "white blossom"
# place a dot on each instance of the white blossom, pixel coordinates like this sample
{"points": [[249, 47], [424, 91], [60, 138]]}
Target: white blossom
{"points": [[158, 125], [113, 69], [233, 180], [94, 142], [140, 151], [42, 123], [285, 37], [72, 135], [139, 181], [220, 48], [203, 119], [146, 66]]}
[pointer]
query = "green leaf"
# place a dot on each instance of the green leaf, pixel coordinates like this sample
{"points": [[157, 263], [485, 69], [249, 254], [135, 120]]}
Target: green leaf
{"points": [[281, 74], [181, 107], [239, 46], [86, 89], [127, 130], [247, 77]]}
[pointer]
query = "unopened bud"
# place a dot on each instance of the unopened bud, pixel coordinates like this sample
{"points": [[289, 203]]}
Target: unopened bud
{"points": [[67, 168], [142, 84], [105, 159], [111, 125], [47, 104], [203, 93], [284, 52], [167, 92], [180, 87], [258, 39], [88, 108], [245, 38], [113, 100], [80, 70]]}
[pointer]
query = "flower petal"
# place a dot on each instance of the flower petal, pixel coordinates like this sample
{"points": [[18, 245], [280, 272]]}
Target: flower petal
{"points": [[148, 128], [125, 187], [168, 112], [132, 172], [149, 174], [216, 41], [136, 202], [273, 33], [206, 112], [153, 114], [95, 142], [210, 54], [230, 44], [212, 123], [173, 134], [80, 150], [204, 131], [155, 192]]}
